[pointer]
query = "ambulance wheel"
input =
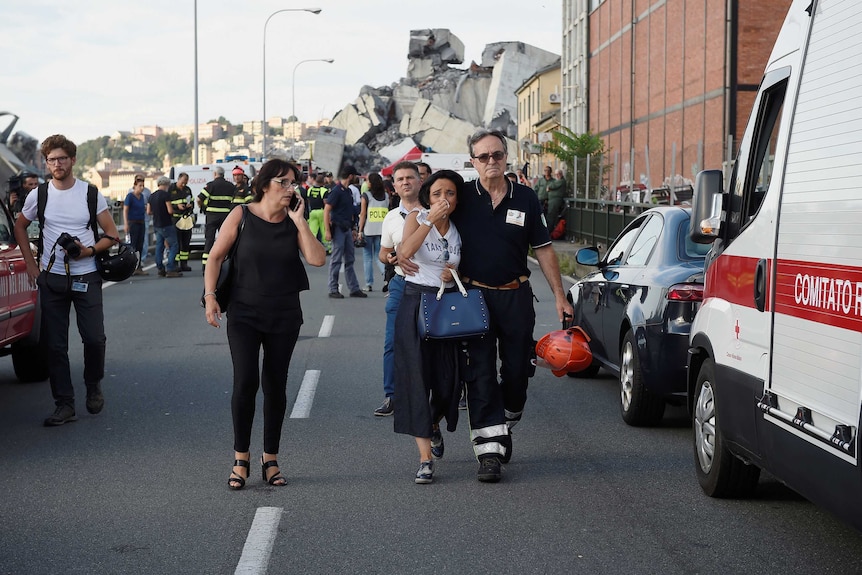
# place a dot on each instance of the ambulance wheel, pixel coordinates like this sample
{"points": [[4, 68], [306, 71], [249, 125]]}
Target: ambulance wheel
{"points": [[719, 472], [591, 371], [638, 406]]}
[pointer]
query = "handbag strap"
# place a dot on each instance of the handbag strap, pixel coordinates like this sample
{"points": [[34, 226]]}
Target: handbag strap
{"points": [[457, 281], [233, 248]]}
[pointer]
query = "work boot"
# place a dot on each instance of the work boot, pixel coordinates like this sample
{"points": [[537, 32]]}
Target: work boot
{"points": [[63, 414], [489, 469], [95, 399]]}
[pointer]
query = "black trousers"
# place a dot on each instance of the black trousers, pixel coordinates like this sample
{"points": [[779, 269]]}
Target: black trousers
{"points": [[493, 403], [213, 225], [245, 342], [184, 237], [56, 303]]}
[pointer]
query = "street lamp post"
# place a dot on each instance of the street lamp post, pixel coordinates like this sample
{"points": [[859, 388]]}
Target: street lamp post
{"points": [[263, 124], [196, 83], [293, 97]]}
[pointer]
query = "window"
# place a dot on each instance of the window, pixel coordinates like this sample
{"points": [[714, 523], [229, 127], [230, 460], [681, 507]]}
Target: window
{"points": [[645, 242], [754, 166], [618, 249]]}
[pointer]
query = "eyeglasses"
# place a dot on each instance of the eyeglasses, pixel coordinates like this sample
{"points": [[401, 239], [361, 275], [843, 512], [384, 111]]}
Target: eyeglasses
{"points": [[445, 243], [497, 156], [58, 160], [285, 184]]}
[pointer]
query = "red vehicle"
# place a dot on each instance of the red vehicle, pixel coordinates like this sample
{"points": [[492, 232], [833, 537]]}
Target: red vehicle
{"points": [[19, 308]]}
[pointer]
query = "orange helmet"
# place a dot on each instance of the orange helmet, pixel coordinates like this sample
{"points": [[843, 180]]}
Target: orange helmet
{"points": [[565, 350]]}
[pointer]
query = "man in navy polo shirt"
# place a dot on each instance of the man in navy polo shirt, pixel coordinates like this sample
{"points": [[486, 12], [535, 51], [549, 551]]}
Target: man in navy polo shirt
{"points": [[499, 220], [339, 218]]}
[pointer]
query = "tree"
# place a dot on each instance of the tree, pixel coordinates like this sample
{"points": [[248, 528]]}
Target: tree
{"points": [[567, 146]]}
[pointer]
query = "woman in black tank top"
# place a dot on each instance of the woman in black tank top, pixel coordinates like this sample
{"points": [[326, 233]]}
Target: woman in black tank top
{"points": [[264, 309]]}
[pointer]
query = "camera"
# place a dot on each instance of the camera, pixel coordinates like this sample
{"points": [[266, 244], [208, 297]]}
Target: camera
{"points": [[67, 242]]}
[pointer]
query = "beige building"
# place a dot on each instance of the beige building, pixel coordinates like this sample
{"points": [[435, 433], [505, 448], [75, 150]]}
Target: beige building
{"points": [[539, 100]]}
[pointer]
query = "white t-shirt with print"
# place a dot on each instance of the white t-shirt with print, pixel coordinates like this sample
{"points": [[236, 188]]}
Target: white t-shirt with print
{"points": [[435, 252]]}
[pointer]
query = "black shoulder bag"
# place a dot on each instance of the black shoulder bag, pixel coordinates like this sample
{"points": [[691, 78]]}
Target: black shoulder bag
{"points": [[226, 273]]}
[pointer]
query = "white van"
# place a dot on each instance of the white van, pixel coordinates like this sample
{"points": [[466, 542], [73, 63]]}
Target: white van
{"points": [[775, 365], [199, 176]]}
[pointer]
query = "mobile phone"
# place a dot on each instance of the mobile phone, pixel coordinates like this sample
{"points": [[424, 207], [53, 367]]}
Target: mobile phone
{"points": [[294, 202]]}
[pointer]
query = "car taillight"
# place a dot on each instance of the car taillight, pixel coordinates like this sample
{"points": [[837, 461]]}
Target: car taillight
{"points": [[685, 292]]}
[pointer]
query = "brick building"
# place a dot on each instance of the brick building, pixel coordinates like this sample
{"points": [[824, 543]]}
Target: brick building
{"points": [[671, 82]]}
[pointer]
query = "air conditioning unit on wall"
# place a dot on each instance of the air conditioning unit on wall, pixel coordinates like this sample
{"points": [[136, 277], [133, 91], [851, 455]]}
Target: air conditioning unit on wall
{"points": [[554, 98]]}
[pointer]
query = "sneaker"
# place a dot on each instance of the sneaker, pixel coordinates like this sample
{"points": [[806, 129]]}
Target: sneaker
{"points": [[385, 409], [162, 272], [489, 469], [506, 442], [358, 294], [95, 399], [437, 446], [368, 287], [425, 473], [336, 295], [63, 414], [174, 274]]}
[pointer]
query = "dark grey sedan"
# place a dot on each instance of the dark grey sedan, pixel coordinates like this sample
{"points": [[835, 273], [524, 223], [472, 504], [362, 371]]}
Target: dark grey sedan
{"points": [[637, 308]]}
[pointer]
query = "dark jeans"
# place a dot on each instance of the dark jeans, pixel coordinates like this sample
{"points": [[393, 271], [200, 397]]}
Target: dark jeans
{"points": [[55, 333], [245, 342], [167, 234], [342, 249], [136, 236]]}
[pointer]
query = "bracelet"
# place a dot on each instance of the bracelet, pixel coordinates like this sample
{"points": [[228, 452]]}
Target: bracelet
{"points": [[94, 250], [212, 293]]}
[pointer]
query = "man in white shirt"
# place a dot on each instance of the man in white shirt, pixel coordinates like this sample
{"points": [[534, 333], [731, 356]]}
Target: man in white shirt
{"points": [[68, 276]]}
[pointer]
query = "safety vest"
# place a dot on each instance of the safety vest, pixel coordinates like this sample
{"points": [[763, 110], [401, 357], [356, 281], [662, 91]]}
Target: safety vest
{"points": [[315, 197], [181, 196], [243, 195], [217, 196]]}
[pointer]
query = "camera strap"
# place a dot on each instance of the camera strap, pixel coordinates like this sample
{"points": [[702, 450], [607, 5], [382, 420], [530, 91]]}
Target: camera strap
{"points": [[65, 265]]}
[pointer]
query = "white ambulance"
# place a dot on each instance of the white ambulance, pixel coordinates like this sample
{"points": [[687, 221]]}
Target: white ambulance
{"points": [[775, 365], [200, 175]]}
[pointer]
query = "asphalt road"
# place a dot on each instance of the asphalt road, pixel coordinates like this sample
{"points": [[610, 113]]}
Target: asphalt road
{"points": [[142, 487]]}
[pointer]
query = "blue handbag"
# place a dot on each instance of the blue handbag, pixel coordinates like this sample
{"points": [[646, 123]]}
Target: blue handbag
{"points": [[459, 314]]}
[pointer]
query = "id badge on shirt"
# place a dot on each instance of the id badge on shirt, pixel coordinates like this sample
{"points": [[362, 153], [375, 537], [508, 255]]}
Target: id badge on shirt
{"points": [[80, 286], [516, 217]]}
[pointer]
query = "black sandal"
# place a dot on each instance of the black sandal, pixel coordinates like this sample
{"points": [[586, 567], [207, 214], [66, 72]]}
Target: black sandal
{"points": [[276, 477], [235, 481]]}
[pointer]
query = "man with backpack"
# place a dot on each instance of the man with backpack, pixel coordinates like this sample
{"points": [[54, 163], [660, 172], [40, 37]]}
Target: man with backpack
{"points": [[69, 215]]}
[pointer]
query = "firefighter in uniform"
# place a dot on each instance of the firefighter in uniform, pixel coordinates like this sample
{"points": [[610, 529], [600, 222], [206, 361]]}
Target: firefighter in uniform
{"points": [[216, 201], [316, 194], [183, 204], [243, 193], [499, 220]]}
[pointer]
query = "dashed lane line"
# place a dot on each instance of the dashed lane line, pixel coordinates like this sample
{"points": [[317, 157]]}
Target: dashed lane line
{"points": [[326, 326], [305, 397], [258, 545]]}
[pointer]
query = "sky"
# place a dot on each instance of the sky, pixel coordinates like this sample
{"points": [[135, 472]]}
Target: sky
{"points": [[87, 69]]}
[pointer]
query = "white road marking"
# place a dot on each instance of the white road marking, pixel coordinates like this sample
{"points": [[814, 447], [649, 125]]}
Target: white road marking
{"points": [[305, 397], [258, 544], [326, 326]]}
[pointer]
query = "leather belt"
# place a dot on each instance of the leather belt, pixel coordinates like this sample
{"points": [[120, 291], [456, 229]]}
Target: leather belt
{"points": [[514, 284]]}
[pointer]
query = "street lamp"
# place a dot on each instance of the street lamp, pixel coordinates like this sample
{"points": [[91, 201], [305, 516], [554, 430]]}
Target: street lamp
{"points": [[263, 124], [293, 96], [196, 83]]}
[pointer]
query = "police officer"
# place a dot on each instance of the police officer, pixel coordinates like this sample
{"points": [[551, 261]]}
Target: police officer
{"points": [[216, 201]]}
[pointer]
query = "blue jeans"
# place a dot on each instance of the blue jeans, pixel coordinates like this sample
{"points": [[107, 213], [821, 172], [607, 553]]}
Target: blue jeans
{"points": [[342, 249], [396, 291], [166, 234], [370, 253]]}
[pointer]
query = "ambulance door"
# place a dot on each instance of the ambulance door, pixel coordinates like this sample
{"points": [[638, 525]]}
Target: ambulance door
{"points": [[740, 277]]}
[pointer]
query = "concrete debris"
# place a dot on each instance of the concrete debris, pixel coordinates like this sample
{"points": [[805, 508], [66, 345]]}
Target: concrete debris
{"points": [[436, 105]]}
